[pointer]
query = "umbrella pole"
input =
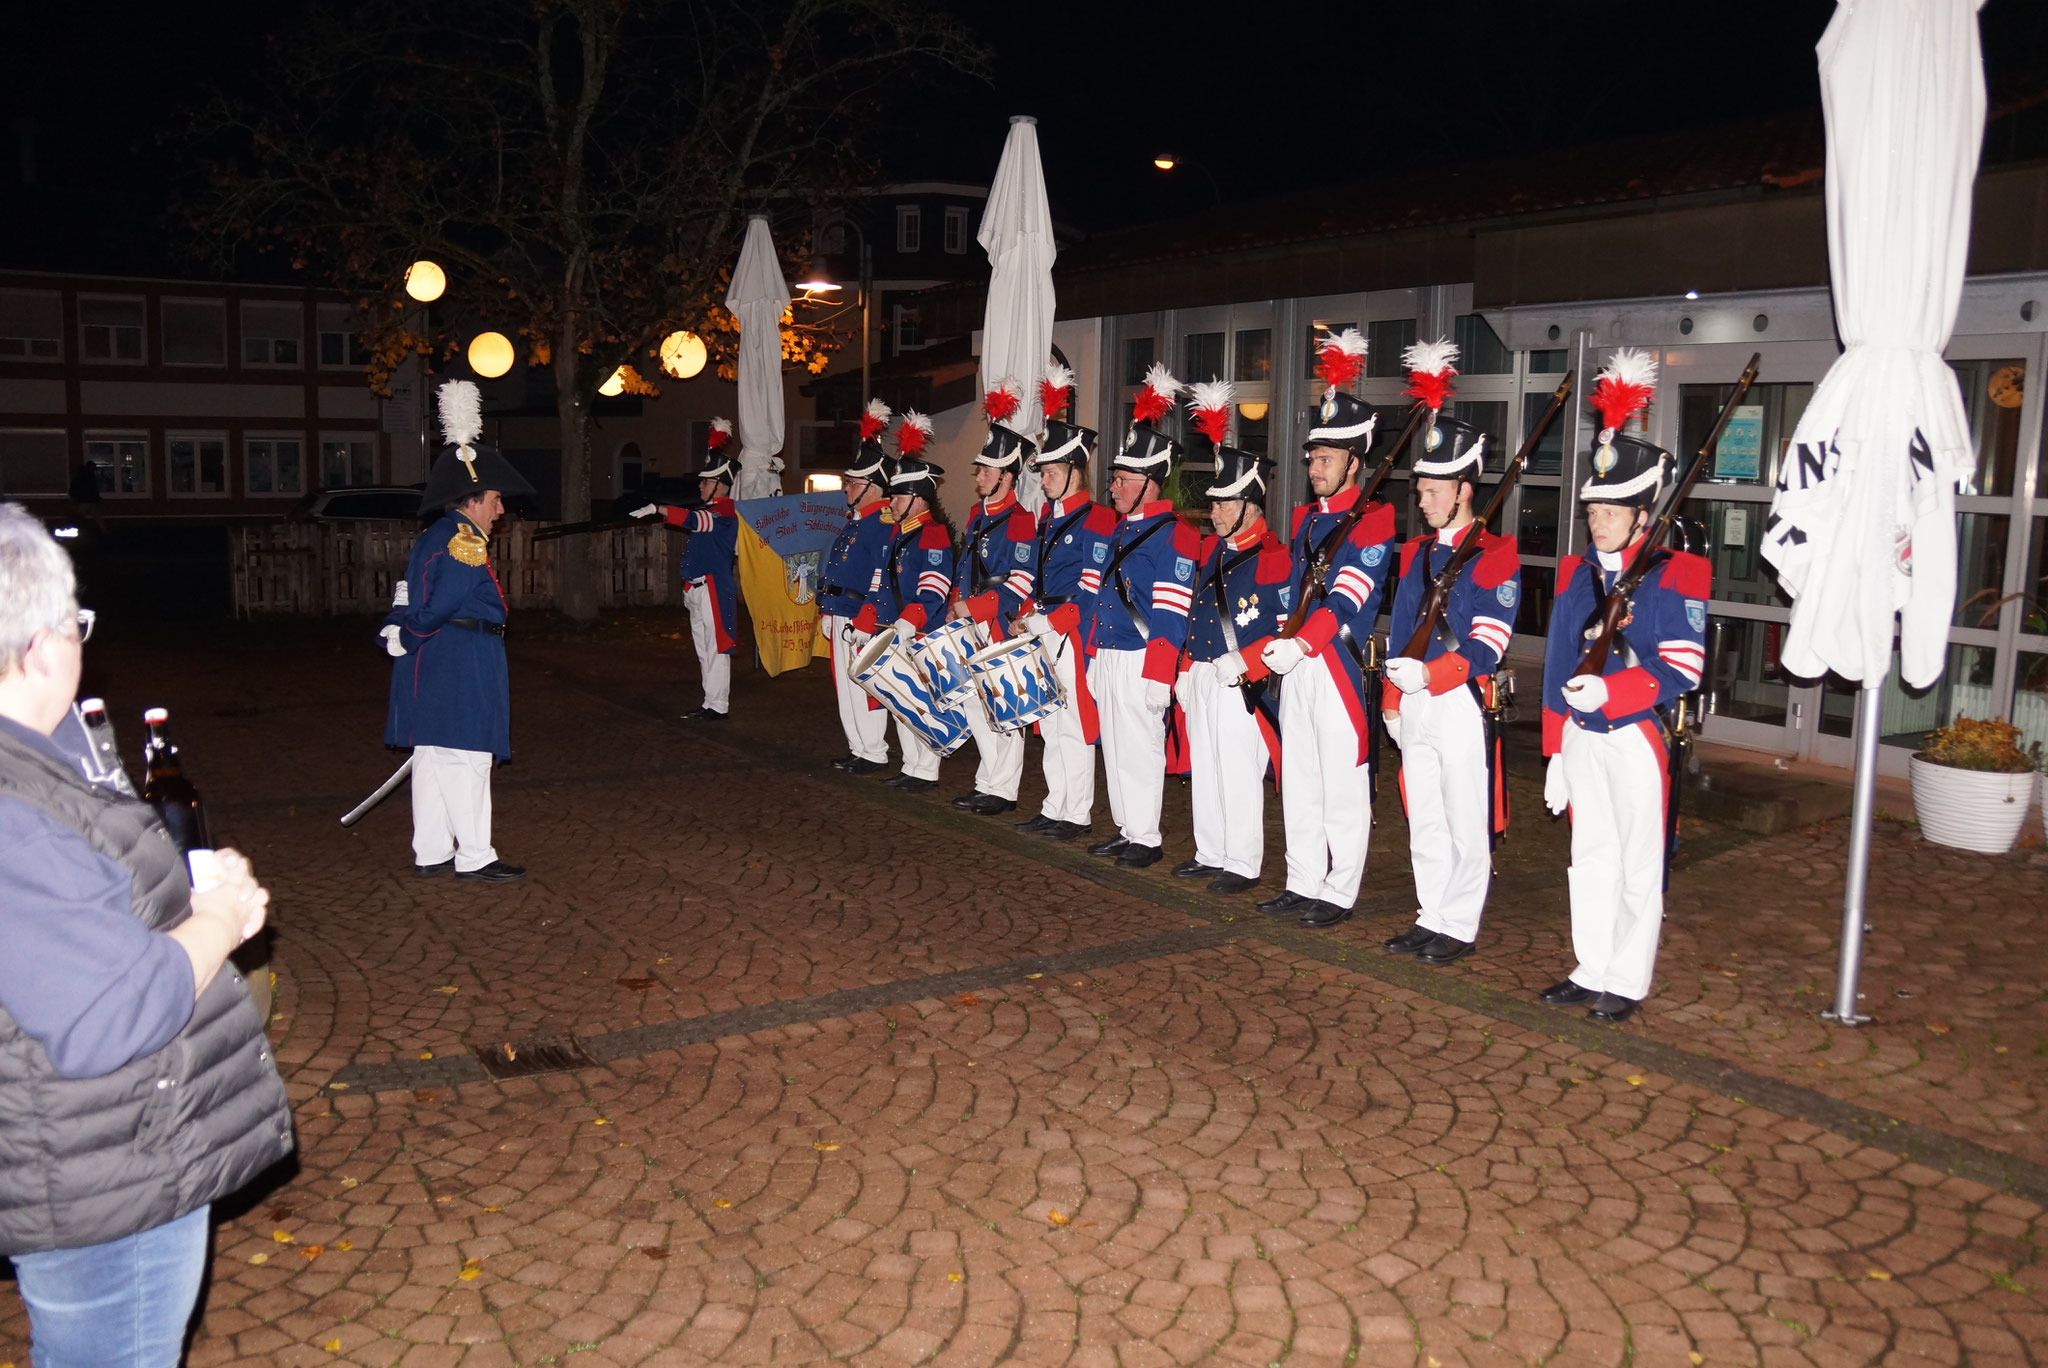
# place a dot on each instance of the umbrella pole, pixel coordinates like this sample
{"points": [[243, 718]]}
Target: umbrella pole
{"points": [[1869, 720]]}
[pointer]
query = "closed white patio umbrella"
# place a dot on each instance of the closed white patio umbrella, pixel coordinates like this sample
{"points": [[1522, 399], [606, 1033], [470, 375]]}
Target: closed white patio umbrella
{"points": [[1016, 231], [758, 298]]}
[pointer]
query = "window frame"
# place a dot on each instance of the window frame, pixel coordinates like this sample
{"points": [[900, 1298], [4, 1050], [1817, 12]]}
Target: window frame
{"points": [[320, 457], [243, 336], [249, 439], [142, 329], [29, 356], [351, 340], [64, 447], [141, 435], [163, 347], [227, 486], [957, 216], [911, 217]]}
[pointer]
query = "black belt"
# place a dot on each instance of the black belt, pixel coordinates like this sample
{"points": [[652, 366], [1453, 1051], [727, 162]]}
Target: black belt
{"points": [[496, 629]]}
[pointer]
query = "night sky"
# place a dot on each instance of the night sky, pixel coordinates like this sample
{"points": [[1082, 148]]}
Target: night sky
{"points": [[1267, 95]]}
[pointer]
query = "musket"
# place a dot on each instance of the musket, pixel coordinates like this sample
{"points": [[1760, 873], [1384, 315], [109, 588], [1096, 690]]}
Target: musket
{"points": [[574, 529], [1615, 611], [1441, 584], [1313, 583]]}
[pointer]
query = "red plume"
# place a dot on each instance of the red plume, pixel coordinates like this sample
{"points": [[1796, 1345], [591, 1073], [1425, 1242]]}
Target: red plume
{"points": [[914, 431], [874, 420], [1341, 357], [1155, 400], [1002, 402], [721, 433], [1431, 365], [1211, 407], [1055, 389], [1624, 388]]}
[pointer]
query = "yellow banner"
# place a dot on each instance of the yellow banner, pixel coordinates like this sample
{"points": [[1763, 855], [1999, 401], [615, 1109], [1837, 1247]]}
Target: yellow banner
{"points": [[782, 600]]}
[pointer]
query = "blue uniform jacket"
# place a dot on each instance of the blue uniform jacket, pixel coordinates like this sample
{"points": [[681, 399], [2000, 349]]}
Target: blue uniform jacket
{"points": [[1664, 638], [450, 688], [1481, 612], [853, 567], [993, 572], [1159, 575], [712, 553], [1257, 590], [1070, 549], [1355, 585], [917, 577]]}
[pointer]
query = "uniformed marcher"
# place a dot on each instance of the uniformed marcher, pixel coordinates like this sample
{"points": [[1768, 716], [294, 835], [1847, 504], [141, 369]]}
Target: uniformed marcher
{"points": [[853, 571], [1326, 799], [990, 580], [1603, 733], [451, 698], [1070, 549], [917, 576], [1240, 587], [710, 572], [1433, 707], [1139, 625]]}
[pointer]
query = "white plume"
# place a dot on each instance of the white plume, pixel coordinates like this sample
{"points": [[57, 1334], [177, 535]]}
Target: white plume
{"points": [[1630, 366], [878, 410], [1351, 342], [1160, 381], [721, 425], [1210, 394], [1058, 376], [912, 418], [462, 413], [1431, 358]]}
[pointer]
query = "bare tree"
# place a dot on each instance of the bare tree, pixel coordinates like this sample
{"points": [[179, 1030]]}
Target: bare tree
{"points": [[584, 169]]}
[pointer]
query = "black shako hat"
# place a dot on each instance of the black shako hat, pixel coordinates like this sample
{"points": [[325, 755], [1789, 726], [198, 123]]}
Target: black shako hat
{"points": [[1627, 470], [466, 467], [1343, 420], [1240, 474], [1066, 442], [1005, 449], [1452, 449]]}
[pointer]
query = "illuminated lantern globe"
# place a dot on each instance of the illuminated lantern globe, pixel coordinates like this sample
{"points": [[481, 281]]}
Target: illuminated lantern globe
{"points": [[490, 354], [682, 354], [425, 281]]}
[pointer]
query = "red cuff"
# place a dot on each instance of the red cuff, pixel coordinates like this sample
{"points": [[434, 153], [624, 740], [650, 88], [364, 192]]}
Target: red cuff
{"points": [[1253, 654], [1319, 631], [1629, 691], [984, 607], [1447, 672], [675, 517], [1065, 619], [1553, 732], [1390, 698], [864, 620], [913, 614], [1162, 661]]}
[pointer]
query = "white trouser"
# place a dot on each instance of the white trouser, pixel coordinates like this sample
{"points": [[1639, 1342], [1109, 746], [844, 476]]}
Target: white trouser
{"points": [[716, 668], [1325, 798], [866, 728], [1227, 763], [451, 807], [1002, 753], [1133, 744], [1617, 874], [1069, 759], [1444, 778], [919, 760]]}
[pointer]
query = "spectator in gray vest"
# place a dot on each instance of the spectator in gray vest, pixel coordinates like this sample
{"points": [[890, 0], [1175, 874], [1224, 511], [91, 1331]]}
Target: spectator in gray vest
{"points": [[136, 1085]]}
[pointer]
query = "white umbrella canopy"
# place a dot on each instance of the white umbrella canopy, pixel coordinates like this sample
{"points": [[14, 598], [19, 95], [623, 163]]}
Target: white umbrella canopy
{"points": [[1863, 524], [1016, 231], [758, 297]]}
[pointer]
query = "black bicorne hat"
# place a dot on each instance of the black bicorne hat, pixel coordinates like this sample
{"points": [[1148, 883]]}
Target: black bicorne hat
{"points": [[1343, 420], [1240, 474], [1065, 442], [466, 466], [1452, 449], [1627, 470]]}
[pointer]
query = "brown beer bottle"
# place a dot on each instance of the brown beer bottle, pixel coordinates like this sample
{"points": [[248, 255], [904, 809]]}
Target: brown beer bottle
{"points": [[165, 787]]}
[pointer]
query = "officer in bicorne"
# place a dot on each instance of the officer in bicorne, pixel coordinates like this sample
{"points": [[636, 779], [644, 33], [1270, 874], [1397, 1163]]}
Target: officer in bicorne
{"points": [[1071, 547], [1139, 625], [851, 573], [1603, 734], [990, 580], [710, 571], [450, 693], [1433, 705], [917, 576], [1241, 588], [1326, 799]]}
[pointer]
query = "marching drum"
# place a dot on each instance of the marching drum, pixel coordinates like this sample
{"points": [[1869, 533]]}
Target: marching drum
{"points": [[1017, 683], [947, 652], [889, 672]]}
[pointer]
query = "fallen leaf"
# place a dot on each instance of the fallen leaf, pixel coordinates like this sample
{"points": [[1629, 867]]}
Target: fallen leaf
{"points": [[448, 988], [656, 1252], [721, 1203], [280, 1213], [1034, 976], [600, 1121], [1727, 973], [952, 1277], [1877, 1275], [1058, 1218], [1433, 1361], [348, 1182], [1697, 1357], [338, 1087], [1635, 1080], [665, 959], [426, 1054], [423, 1095], [332, 1346], [636, 985], [826, 1146], [1938, 1027], [969, 1000], [510, 1053], [259, 1258], [344, 1245], [1998, 1049], [311, 1252], [494, 1208], [469, 1274], [444, 1200], [753, 864], [283, 1237]]}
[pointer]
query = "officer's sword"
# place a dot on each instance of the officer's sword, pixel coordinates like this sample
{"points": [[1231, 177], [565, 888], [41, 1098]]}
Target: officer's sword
{"points": [[383, 791]]}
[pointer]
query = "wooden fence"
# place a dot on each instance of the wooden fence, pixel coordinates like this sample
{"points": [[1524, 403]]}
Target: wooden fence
{"points": [[325, 569]]}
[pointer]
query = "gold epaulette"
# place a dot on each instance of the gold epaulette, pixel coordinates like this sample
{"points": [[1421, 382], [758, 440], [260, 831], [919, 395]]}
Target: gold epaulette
{"points": [[467, 547]]}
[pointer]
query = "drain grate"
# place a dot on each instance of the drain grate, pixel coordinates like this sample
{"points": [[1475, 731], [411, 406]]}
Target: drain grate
{"points": [[535, 1055]]}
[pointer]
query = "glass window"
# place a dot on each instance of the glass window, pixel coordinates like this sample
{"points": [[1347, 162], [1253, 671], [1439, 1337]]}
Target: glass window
{"points": [[276, 466], [1992, 391], [31, 322], [34, 462], [1733, 536], [2034, 609], [120, 464], [353, 461], [1551, 361], [1490, 416], [198, 464], [1980, 568], [909, 328], [339, 344], [1479, 347], [2030, 700], [195, 332], [909, 228], [1536, 522], [1385, 340], [1548, 457], [111, 329], [1137, 359], [1744, 678], [1202, 357], [1317, 331], [270, 333], [1539, 594], [1758, 435], [1254, 434], [1908, 715], [1254, 360], [956, 229]]}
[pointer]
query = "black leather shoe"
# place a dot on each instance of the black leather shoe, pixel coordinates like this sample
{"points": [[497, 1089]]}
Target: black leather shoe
{"points": [[1036, 824], [1566, 994], [1285, 903], [1610, 1008], [434, 871], [988, 805], [703, 715], [1065, 831], [1108, 849], [1409, 941], [966, 801], [1319, 915], [910, 785], [1443, 950], [860, 766], [1195, 869], [1134, 856], [497, 871], [1227, 882], [895, 781], [844, 762]]}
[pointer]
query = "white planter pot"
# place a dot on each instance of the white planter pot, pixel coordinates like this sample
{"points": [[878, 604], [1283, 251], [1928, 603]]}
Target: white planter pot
{"points": [[1970, 809]]}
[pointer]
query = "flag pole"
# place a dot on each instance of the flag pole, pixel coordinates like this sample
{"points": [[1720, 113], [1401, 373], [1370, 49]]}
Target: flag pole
{"points": [[1869, 721]]}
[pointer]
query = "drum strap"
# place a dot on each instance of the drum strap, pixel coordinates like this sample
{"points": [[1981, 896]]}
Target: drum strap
{"points": [[1123, 585], [896, 568], [1223, 617]]}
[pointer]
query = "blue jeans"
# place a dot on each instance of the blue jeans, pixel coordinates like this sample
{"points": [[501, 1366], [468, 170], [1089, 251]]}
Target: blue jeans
{"points": [[125, 1302]]}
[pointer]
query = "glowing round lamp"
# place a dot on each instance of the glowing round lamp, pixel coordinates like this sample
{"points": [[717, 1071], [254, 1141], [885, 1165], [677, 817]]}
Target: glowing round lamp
{"points": [[425, 281], [1253, 413], [682, 354], [1166, 161], [615, 386], [490, 354]]}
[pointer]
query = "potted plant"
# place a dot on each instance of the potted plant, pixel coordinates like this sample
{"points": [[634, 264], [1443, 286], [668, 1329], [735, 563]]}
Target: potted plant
{"points": [[1972, 785]]}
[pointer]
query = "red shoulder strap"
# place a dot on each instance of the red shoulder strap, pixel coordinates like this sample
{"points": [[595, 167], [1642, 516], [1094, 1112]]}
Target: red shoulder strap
{"points": [[1294, 530], [1689, 575], [1022, 528], [1497, 562], [1410, 549], [934, 534], [1101, 518], [1375, 527], [1567, 566]]}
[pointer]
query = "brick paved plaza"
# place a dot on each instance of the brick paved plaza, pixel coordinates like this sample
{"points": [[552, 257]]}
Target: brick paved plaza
{"points": [[872, 1079]]}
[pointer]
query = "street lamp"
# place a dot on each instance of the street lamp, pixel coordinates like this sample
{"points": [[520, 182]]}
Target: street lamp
{"points": [[1167, 161], [819, 281], [425, 281], [682, 354], [491, 354]]}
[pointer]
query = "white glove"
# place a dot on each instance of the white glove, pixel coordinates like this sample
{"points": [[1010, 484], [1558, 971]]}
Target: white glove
{"points": [[401, 595], [1184, 684], [1557, 793], [645, 511], [1407, 674], [391, 646], [1036, 624], [1392, 720], [1229, 669], [1588, 693], [1283, 654], [1158, 697]]}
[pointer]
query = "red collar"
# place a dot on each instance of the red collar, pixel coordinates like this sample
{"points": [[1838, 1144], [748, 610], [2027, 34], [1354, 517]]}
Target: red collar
{"points": [[1061, 509], [1248, 536], [1340, 502], [1446, 538], [1151, 510], [914, 521], [1000, 506], [870, 509]]}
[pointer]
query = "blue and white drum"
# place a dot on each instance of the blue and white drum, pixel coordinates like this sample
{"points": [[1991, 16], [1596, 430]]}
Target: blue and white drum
{"points": [[1017, 683], [892, 676], [947, 652]]}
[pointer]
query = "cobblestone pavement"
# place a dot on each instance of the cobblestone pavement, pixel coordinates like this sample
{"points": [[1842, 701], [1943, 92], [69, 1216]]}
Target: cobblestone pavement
{"points": [[890, 1083]]}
